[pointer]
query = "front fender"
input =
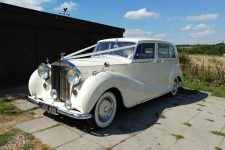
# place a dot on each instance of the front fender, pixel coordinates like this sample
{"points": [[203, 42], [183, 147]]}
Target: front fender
{"points": [[39, 86], [92, 88], [131, 89]]}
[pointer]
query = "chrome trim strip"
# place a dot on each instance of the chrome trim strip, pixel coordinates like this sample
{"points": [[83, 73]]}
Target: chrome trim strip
{"points": [[63, 111]]}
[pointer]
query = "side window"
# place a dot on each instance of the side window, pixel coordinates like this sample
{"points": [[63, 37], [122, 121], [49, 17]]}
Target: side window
{"points": [[145, 51], [163, 50], [148, 50], [171, 52], [138, 52]]}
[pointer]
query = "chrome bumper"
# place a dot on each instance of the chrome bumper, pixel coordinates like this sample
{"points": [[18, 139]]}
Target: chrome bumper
{"points": [[70, 113]]}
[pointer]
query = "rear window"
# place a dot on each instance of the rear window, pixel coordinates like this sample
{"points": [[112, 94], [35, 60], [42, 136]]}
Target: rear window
{"points": [[166, 51]]}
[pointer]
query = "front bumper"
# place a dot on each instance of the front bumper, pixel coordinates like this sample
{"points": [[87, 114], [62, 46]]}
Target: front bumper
{"points": [[62, 110]]}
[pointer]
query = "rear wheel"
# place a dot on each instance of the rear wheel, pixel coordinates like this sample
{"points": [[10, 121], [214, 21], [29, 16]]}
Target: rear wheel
{"points": [[105, 110], [175, 87]]}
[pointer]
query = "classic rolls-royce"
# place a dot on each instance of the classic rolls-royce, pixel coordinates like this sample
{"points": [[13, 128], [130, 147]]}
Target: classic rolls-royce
{"points": [[120, 71]]}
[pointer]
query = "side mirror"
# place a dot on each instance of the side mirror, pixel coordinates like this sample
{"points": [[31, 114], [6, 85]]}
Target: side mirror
{"points": [[106, 64]]}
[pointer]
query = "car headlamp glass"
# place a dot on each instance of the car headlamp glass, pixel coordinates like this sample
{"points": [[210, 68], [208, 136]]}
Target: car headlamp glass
{"points": [[43, 71], [73, 76]]}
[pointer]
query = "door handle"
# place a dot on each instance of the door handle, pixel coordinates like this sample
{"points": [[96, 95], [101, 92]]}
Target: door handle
{"points": [[157, 60]]}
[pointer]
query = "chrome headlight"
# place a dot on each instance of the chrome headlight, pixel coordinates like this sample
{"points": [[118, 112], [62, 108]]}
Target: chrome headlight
{"points": [[73, 76], [43, 71]]}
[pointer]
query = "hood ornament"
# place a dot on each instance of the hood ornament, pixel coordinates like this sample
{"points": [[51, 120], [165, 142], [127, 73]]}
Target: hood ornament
{"points": [[62, 56], [47, 61]]}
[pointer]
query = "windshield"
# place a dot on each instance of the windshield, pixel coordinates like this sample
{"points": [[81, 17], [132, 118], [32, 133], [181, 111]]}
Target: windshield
{"points": [[127, 52]]}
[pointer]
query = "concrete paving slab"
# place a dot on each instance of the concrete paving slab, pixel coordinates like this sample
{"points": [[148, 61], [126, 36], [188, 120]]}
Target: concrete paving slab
{"points": [[208, 122], [35, 125], [218, 104], [39, 112], [157, 137], [222, 144], [56, 136], [107, 140], [24, 105], [214, 110], [138, 127], [148, 139], [185, 144], [76, 130], [205, 139], [185, 110], [192, 106], [18, 101], [170, 127], [215, 105], [135, 143], [81, 144], [179, 116], [218, 99]]}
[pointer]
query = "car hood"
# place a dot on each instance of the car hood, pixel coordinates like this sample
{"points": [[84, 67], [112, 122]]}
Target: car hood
{"points": [[88, 65], [99, 61]]}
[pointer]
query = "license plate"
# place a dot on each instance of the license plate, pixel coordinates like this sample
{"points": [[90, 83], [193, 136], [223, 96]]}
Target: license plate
{"points": [[49, 108]]}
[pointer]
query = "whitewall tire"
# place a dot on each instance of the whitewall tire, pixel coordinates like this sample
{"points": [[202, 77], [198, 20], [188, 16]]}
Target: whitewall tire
{"points": [[175, 87], [105, 110]]}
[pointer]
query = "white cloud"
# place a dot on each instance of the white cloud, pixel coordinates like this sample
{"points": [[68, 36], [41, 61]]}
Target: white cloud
{"points": [[187, 27], [202, 30], [32, 4], [203, 17], [202, 34], [202, 26], [141, 13], [160, 36], [69, 5], [173, 18], [137, 33]]}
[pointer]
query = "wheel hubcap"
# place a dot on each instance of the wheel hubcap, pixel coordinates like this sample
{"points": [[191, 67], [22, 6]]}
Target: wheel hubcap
{"points": [[105, 109], [175, 87]]}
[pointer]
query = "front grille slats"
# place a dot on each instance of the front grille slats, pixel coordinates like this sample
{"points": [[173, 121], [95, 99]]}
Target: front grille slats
{"points": [[60, 83]]}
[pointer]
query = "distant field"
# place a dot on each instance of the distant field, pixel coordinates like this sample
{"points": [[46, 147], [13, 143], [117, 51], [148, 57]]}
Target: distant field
{"points": [[204, 72], [207, 60], [203, 67]]}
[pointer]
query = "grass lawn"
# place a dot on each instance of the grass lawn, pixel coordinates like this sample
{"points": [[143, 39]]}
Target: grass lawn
{"points": [[216, 90], [10, 136]]}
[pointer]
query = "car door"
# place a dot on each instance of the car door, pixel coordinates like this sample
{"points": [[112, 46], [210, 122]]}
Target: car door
{"points": [[144, 61], [163, 65]]}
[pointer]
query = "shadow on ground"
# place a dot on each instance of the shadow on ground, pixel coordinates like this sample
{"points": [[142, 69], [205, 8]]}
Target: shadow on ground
{"points": [[138, 118], [11, 93]]}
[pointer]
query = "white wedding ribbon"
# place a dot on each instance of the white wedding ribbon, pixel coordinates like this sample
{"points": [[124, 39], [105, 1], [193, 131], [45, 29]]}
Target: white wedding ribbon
{"points": [[79, 51], [98, 52]]}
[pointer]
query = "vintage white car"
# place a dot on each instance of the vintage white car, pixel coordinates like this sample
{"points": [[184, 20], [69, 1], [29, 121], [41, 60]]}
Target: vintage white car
{"points": [[120, 71]]}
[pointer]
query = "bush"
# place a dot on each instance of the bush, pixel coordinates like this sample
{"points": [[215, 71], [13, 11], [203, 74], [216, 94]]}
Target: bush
{"points": [[216, 50]]}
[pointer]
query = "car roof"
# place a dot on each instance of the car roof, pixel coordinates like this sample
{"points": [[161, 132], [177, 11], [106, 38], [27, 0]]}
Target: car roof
{"points": [[136, 40]]}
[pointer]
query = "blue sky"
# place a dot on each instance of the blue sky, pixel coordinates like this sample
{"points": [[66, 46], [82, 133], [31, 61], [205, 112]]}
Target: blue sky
{"points": [[179, 21]]}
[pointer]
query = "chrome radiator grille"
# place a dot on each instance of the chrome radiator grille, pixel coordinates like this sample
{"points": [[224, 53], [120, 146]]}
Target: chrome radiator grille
{"points": [[59, 82]]}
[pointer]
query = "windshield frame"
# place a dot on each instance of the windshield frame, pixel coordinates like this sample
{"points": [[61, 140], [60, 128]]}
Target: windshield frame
{"points": [[113, 41]]}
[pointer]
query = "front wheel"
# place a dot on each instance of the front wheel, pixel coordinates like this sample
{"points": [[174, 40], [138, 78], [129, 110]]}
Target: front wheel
{"points": [[175, 87], [105, 110]]}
